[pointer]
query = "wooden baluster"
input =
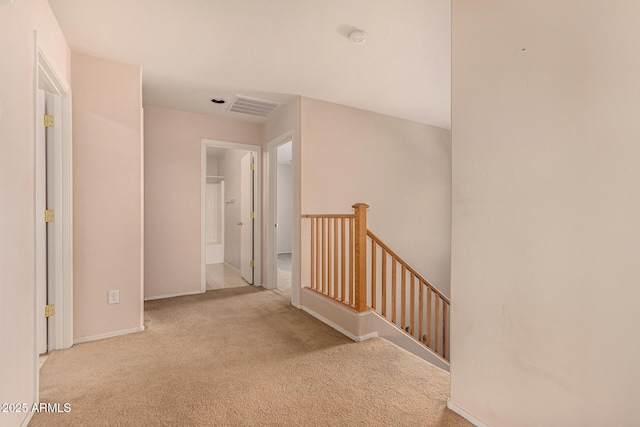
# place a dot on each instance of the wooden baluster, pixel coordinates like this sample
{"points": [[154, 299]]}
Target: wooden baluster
{"points": [[324, 247], [335, 258], [444, 329], [319, 255], [374, 257], [429, 317], [352, 284], [342, 259], [361, 256], [413, 304], [329, 257], [403, 303], [420, 309], [436, 321], [393, 289], [317, 260], [384, 282], [313, 255]]}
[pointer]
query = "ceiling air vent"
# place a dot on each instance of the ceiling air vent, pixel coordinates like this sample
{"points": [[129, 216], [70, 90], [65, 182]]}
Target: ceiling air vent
{"points": [[253, 106]]}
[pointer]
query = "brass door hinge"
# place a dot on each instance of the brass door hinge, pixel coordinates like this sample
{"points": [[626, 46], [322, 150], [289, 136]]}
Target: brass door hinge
{"points": [[48, 121], [49, 310], [253, 214], [252, 263], [49, 216], [253, 166]]}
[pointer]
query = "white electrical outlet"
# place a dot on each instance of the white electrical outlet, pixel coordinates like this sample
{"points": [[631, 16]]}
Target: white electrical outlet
{"points": [[114, 297]]}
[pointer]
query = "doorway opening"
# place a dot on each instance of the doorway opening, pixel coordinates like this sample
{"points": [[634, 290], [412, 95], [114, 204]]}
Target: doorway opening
{"points": [[230, 221], [53, 259], [282, 206], [284, 214]]}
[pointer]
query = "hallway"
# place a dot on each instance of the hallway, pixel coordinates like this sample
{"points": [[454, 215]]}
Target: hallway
{"points": [[241, 356]]}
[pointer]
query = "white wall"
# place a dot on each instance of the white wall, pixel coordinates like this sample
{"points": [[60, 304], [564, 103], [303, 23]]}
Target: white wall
{"points": [[229, 167], [546, 205], [107, 195], [17, 334], [401, 169], [173, 147], [285, 206], [214, 205], [214, 215]]}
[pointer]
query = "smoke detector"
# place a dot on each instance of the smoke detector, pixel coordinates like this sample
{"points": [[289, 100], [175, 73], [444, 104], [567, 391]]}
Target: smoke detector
{"points": [[358, 36]]}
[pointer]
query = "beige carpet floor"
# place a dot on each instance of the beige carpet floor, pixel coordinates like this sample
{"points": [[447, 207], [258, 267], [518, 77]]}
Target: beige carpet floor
{"points": [[240, 357]]}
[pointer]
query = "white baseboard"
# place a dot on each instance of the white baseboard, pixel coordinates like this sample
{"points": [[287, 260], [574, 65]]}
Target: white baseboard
{"points": [[403, 339], [172, 295], [108, 335], [464, 414], [338, 328], [366, 336]]}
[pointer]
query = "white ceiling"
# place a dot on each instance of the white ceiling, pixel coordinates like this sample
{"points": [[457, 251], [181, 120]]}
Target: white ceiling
{"points": [[195, 50]]}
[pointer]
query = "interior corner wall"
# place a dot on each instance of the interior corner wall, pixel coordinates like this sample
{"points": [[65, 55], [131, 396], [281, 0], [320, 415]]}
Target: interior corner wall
{"points": [[107, 195], [546, 203], [401, 169], [17, 252], [172, 193]]}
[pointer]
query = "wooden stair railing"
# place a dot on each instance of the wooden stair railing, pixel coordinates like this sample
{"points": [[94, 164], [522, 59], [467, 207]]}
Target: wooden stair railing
{"points": [[423, 308], [340, 247]]}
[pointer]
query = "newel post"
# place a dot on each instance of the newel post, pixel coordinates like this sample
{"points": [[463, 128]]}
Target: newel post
{"points": [[360, 249]]}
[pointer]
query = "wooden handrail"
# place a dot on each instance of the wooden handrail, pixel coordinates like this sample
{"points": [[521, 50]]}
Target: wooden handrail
{"points": [[329, 216]]}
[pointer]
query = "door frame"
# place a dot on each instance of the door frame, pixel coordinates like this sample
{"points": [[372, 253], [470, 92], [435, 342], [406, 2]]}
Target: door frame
{"points": [[246, 268], [271, 236], [60, 334], [42, 281], [257, 197]]}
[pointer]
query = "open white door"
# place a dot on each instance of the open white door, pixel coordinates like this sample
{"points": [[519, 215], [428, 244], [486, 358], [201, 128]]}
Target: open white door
{"points": [[246, 217]]}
